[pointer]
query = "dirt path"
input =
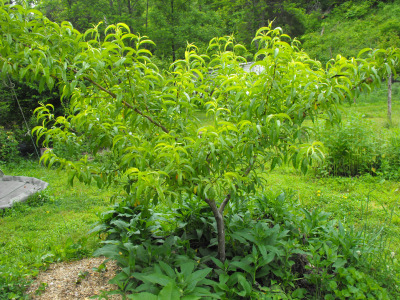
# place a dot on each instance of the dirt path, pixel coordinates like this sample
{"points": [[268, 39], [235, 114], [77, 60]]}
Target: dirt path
{"points": [[74, 280]]}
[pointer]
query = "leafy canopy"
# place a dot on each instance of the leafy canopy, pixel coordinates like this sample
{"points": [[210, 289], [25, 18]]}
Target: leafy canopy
{"points": [[152, 121]]}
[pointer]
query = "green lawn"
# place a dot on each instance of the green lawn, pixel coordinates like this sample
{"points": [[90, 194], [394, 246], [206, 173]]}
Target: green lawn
{"points": [[32, 236]]}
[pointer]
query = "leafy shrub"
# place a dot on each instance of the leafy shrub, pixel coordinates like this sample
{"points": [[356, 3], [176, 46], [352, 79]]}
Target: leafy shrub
{"points": [[273, 248], [352, 148], [8, 146], [390, 166]]}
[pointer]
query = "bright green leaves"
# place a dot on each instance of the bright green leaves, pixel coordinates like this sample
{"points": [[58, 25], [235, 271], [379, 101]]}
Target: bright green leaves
{"points": [[304, 155], [206, 127]]}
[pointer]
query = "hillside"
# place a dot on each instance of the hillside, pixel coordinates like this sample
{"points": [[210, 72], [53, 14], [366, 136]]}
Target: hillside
{"points": [[350, 27]]}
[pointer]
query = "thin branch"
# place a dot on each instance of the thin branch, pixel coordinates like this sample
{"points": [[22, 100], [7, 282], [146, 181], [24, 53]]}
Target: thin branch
{"points": [[224, 203], [228, 197], [270, 87], [99, 86], [124, 102], [147, 117]]}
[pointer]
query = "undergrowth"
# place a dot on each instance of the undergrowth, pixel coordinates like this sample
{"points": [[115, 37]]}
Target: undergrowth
{"points": [[275, 250]]}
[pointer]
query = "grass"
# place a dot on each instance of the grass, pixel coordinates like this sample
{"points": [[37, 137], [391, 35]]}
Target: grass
{"points": [[33, 235], [346, 198], [54, 226]]}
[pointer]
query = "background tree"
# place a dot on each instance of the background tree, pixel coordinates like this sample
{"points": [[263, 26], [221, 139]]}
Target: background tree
{"points": [[174, 23]]}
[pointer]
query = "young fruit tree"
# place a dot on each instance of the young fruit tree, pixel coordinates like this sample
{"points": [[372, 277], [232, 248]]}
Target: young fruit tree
{"points": [[152, 121]]}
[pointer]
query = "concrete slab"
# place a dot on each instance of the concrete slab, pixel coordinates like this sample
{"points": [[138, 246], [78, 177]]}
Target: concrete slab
{"points": [[18, 189]]}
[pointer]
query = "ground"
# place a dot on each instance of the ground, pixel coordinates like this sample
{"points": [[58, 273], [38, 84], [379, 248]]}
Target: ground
{"points": [[74, 280]]}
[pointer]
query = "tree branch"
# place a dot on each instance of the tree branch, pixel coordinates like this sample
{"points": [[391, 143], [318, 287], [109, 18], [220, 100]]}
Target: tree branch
{"points": [[219, 218], [125, 103], [228, 197], [224, 203]]}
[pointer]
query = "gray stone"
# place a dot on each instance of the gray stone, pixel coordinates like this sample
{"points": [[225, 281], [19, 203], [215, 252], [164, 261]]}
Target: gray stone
{"points": [[18, 189]]}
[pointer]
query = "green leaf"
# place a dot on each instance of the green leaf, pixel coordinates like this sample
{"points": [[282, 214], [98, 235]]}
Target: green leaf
{"points": [[155, 278], [299, 293], [109, 251], [169, 292], [187, 268], [167, 269], [143, 296], [246, 291], [197, 276], [363, 51]]}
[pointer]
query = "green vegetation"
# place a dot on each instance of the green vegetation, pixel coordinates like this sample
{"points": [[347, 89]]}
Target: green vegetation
{"points": [[9, 146], [195, 156], [32, 236], [326, 28], [40, 232], [347, 28], [51, 226]]}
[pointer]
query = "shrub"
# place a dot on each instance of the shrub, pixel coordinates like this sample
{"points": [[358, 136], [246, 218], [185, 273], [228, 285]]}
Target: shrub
{"points": [[8, 146], [274, 247], [352, 148], [390, 166]]}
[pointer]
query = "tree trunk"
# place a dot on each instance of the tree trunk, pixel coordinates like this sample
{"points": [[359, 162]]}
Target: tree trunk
{"points": [[173, 49], [128, 2], [389, 111], [219, 218], [147, 13], [119, 7], [173, 31]]}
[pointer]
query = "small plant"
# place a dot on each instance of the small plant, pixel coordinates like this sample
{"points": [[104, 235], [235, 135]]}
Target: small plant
{"points": [[352, 148], [8, 146], [41, 289], [390, 166]]}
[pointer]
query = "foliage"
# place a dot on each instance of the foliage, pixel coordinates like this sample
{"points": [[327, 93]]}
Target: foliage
{"points": [[28, 97], [390, 157], [352, 149], [17, 103], [244, 18], [170, 24], [45, 231], [119, 100], [278, 249], [8, 146], [350, 27], [163, 154]]}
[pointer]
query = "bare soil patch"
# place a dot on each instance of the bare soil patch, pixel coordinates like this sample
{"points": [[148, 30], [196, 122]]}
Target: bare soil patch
{"points": [[74, 280]]}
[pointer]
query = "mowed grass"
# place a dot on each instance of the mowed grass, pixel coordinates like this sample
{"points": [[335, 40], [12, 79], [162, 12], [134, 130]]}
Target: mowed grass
{"points": [[33, 236], [54, 230]]}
